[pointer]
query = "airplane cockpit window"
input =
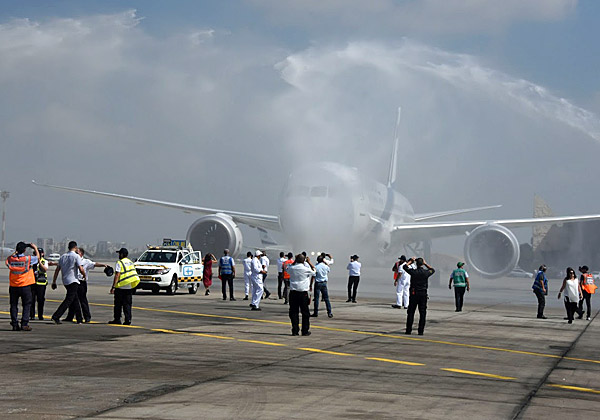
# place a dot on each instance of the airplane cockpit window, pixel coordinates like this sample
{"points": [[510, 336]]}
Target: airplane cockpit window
{"points": [[318, 191], [298, 191]]}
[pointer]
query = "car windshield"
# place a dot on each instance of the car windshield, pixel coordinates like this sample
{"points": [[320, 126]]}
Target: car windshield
{"points": [[157, 256]]}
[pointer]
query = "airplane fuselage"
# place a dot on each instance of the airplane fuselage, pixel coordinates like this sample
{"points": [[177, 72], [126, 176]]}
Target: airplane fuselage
{"points": [[327, 206]]}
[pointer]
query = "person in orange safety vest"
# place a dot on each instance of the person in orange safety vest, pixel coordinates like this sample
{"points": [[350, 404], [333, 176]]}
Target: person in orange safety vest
{"points": [[588, 288], [21, 277]]}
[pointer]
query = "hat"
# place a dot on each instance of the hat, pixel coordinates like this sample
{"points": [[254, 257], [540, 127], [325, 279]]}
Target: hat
{"points": [[460, 264], [41, 250], [108, 270], [402, 258], [584, 268], [258, 252], [123, 251], [290, 255], [355, 257]]}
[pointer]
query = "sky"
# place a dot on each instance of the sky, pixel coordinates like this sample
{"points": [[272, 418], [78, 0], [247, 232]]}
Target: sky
{"points": [[212, 103]]}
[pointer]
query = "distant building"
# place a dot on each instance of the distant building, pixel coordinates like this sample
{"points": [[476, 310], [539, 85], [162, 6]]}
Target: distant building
{"points": [[47, 244]]}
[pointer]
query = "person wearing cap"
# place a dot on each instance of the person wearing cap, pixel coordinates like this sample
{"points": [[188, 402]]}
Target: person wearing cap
{"points": [[353, 268], [247, 262], [126, 279], [21, 277], [286, 276], [69, 265], [257, 284], [588, 288], [82, 289], [226, 274], [402, 283], [460, 279], [300, 285], [419, 283], [38, 289], [540, 289]]}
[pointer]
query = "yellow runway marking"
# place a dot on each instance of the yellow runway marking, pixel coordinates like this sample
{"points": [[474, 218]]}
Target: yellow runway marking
{"points": [[400, 362], [221, 337], [325, 351], [471, 372], [374, 334], [575, 388], [266, 343]]}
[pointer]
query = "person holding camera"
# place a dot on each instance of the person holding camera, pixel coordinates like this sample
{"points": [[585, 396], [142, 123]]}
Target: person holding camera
{"points": [[69, 265], [540, 289], [38, 289], [21, 277], [353, 268], [419, 282]]}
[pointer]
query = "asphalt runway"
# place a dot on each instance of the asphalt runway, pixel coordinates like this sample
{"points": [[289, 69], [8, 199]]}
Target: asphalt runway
{"points": [[195, 356]]}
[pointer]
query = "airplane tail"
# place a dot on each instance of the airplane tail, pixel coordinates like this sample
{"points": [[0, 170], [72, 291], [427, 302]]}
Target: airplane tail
{"points": [[394, 159]]}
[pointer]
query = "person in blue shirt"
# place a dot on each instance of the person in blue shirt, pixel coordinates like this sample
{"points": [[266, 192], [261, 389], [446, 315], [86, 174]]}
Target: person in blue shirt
{"points": [[321, 277], [227, 274], [540, 289]]}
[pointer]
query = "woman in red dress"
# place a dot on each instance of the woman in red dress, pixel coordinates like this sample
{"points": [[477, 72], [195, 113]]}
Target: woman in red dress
{"points": [[209, 259]]}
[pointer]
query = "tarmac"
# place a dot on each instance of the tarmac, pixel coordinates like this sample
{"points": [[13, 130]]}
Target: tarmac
{"points": [[194, 356]]}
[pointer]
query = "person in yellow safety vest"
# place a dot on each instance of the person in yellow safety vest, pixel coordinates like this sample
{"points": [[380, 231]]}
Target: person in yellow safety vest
{"points": [[126, 279], [21, 278], [38, 289], [588, 288]]}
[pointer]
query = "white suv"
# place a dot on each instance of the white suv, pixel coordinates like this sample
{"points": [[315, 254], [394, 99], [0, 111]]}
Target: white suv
{"points": [[168, 267]]}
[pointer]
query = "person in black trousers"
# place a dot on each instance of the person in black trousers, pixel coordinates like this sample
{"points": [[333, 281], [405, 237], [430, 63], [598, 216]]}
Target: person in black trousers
{"points": [[540, 289], [418, 292], [353, 268]]}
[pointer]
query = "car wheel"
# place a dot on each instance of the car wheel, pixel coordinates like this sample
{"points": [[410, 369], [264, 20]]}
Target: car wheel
{"points": [[172, 287], [193, 289]]}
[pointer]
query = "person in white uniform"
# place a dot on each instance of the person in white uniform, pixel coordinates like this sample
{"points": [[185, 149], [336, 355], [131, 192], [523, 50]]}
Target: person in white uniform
{"points": [[573, 293], [247, 273], [264, 260], [257, 281], [402, 283]]}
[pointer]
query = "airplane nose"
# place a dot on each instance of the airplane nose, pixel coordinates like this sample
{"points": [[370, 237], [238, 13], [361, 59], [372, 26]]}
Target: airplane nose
{"points": [[316, 224]]}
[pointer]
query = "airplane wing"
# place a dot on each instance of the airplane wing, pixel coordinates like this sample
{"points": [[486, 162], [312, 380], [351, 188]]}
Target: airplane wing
{"points": [[435, 215], [250, 219], [414, 232]]}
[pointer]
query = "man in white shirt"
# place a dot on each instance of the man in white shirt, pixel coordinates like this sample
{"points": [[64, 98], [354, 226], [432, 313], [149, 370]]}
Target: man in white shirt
{"points": [[353, 278], [257, 281], [300, 285], [69, 264], [321, 277], [264, 260], [87, 265], [247, 262], [402, 283], [280, 262]]}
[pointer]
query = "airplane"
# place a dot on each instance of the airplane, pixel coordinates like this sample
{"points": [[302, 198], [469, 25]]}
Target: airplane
{"points": [[329, 206]]}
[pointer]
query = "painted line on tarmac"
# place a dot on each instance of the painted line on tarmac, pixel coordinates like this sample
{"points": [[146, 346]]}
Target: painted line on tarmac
{"points": [[335, 353], [374, 334], [472, 372], [399, 362], [575, 388]]}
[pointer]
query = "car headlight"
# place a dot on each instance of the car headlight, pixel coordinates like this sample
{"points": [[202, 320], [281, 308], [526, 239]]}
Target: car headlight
{"points": [[164, 271]]}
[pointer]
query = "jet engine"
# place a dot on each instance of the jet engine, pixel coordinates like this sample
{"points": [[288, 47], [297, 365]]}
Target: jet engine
{"points": [[492, 250], [214, 233]]}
